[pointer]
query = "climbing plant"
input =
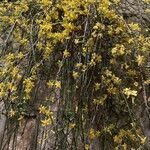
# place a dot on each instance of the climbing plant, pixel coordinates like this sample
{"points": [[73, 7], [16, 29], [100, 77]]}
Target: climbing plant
{"points": [[80, 67]]}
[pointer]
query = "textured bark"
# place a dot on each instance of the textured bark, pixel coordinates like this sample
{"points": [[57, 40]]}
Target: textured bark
{"points": [[26, 135], [2, 122]]}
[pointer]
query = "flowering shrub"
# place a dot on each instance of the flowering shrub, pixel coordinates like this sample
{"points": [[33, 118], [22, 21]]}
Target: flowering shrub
{"points": [[92, 62]]}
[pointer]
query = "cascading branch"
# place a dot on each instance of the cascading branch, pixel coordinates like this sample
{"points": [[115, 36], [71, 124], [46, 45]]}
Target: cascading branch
{"points": [[89, 61]]}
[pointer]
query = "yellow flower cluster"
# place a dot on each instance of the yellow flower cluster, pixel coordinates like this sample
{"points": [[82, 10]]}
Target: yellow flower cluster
{"points": [[120, 138], [130, 93], [93, 134], [118, 50], [28, 86], [101, 100], [54, 83], [48, 115]]}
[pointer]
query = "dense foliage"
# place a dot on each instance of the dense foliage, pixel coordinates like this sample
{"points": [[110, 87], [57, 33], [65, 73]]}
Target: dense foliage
{"points": [[77, 66]]}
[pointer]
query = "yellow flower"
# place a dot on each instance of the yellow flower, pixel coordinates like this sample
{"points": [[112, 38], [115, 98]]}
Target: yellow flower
{"points": [[14, 71], [75, 75], [93, 134], [134, 26], [46, 122], [101, 100], [117, 139], [116, 80], [98, 58], [12, 113], [108, 73], [48, 51], [113, 61], [76, 41], [140, 60], [11, 87], [58, 84], [99, 26], [20, 55], [23, 41], [78, 65], [87, 147], [45, 27], [50, 84], [42, 109], [118, 30], [66, 53], [45, 111], [97, 86], [130, 40], [143, 140], [72, 125]]}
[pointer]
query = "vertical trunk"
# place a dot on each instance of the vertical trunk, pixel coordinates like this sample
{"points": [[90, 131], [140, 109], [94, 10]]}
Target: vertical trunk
{"points": [[26, 138]]}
